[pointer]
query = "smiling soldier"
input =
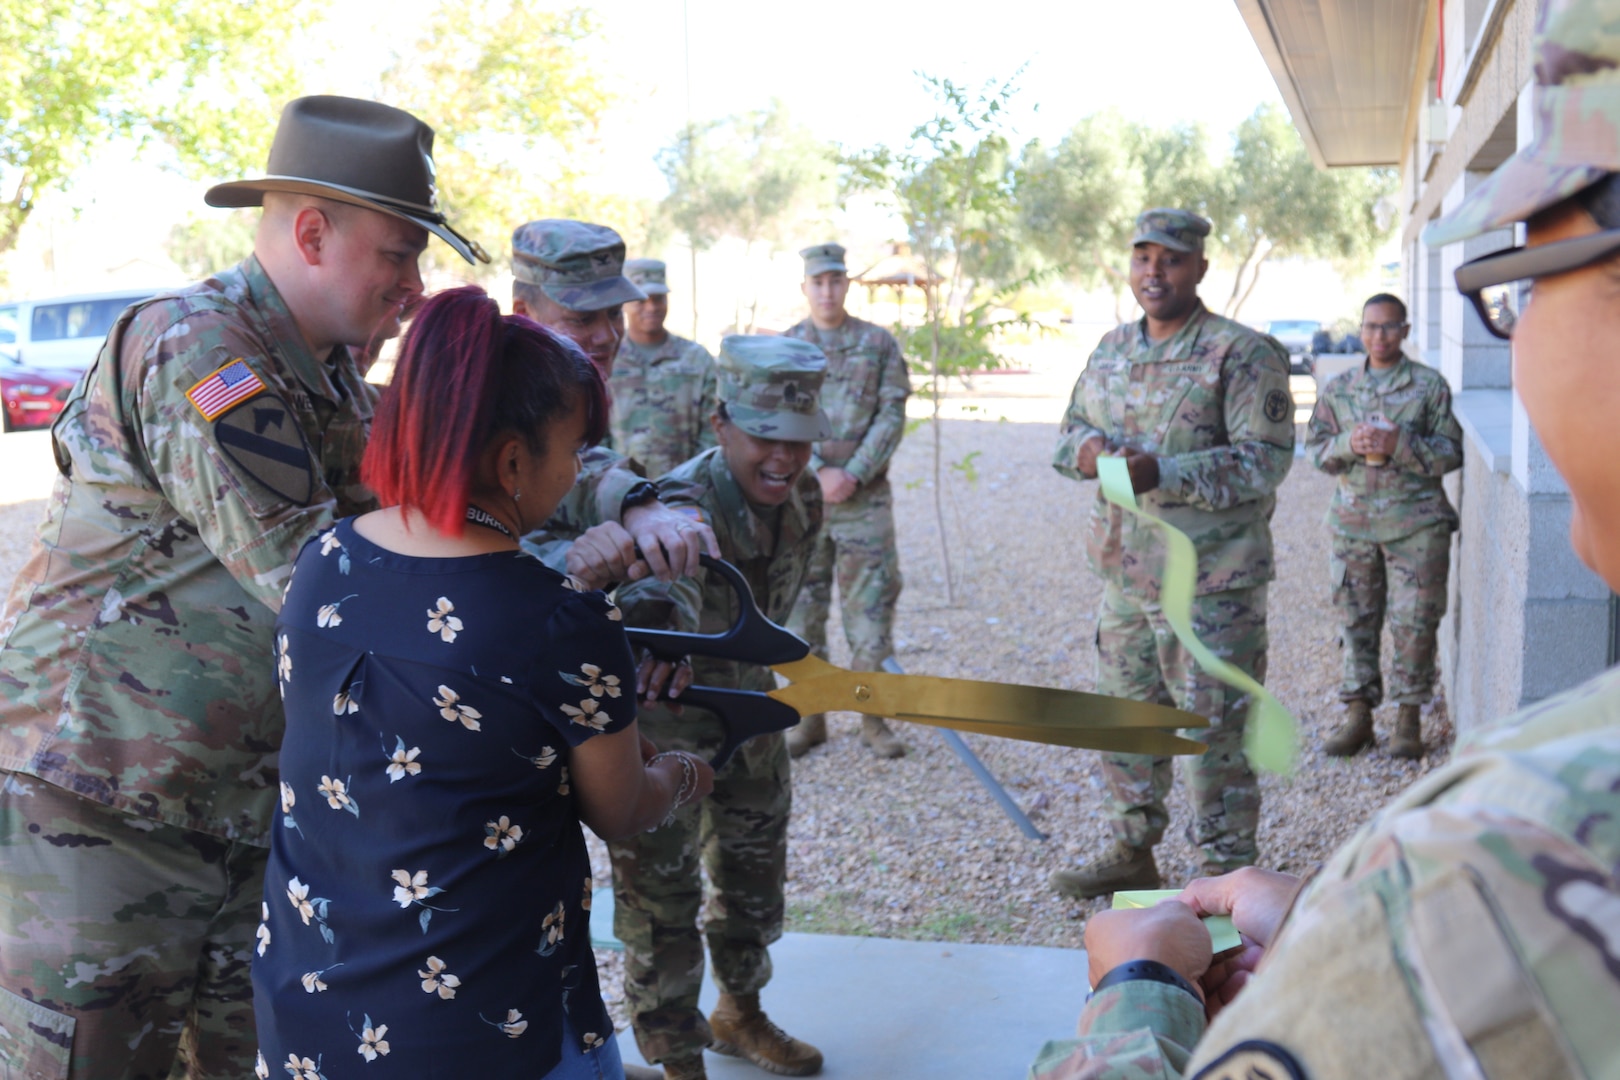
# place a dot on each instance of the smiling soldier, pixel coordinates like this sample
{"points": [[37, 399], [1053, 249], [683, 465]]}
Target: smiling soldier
{"points": [[1198, 406]]}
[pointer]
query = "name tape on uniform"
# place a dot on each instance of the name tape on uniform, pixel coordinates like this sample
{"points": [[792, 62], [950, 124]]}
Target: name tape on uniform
{"points": [[1271, 740]]}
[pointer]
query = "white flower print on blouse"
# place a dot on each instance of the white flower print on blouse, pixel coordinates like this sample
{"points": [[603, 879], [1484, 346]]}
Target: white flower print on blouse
{"points": [[402, 762], [328, 616], [450, 707], [545, 759], [436, 980], [513, 1026], [261, 1068], [343, 703], [562, 781], [591, 1040], [441, 622], [289, 799], [551, 930], [263, 932], [330, 542], [309, 907], [283, 664], [592, 679], [586, 715], [372, 1043], [336, 793], [313, 983], [414, 889], [613, 613], [302, 1068], [502, 836]]}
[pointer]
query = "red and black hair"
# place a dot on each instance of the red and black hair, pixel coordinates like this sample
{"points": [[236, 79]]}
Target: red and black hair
{"points": [[467, 374]]}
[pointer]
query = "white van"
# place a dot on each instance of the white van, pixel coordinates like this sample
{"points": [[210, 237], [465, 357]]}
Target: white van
{"points": [[62, 332]]}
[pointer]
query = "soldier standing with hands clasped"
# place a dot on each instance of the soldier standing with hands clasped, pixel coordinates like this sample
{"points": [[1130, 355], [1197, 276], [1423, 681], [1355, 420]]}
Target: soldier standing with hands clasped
{"points": [[865, 396], [1199, 407], [663, 384], [1386, 431]]}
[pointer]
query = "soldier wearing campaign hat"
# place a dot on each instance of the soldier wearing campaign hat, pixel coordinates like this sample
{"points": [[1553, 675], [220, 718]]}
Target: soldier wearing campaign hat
{"points": [[663, 384], [220, 428], [1469, 929], [570, 276], [866, 399], [1199, 408], [766, 509]]}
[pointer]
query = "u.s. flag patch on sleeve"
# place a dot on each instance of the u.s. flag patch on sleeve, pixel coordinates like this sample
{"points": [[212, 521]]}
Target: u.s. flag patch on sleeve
{"points": [[228, 385]]}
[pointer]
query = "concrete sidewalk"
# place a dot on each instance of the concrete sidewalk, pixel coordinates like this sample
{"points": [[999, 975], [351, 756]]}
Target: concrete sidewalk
{"points": [[881, 1009]]}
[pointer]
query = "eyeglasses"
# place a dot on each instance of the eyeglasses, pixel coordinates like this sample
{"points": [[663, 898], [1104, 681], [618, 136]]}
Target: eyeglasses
{"points": [[1393, 329], [1499, 284]]}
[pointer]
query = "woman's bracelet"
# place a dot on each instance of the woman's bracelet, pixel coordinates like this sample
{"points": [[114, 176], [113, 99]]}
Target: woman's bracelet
{"points": [[688, 780]]}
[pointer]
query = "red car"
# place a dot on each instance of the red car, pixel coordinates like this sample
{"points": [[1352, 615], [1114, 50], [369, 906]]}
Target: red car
{"points": [[33, 397]]}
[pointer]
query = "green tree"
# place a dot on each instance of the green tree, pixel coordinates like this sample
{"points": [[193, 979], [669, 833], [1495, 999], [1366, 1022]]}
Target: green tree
{"points": [[513, 94], [204, 243], [757, 177], [954, 185], [1281, 204], [204, 79]]}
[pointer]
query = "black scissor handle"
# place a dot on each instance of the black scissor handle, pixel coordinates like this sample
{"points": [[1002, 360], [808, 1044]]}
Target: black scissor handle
{"points": [[753, 638]]}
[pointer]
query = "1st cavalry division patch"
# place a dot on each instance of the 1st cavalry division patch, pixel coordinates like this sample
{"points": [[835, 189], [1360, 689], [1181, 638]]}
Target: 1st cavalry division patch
{"points": [[231, 383]]}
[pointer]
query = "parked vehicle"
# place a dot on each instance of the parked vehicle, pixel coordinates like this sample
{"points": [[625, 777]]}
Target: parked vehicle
{"points": [[33, 397], [1298, 336], [62, 332]]}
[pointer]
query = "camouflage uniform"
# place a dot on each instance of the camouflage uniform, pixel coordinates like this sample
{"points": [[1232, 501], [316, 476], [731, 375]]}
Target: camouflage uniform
{"points": [[739, 833], [1467, 930], [866, 390], [580, 266], [139, 718], [1389, 520], [1212, 401], [663, 394]]}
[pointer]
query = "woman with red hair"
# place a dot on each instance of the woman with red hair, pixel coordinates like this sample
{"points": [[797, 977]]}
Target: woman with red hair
{"points": [[454, 710]]}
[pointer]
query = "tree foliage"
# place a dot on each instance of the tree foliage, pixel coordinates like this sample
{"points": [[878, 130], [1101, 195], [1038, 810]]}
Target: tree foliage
{"points": [[203, 78], [516, 104]]}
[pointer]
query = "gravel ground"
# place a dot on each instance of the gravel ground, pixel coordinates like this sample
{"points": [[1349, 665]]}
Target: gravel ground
{"points": [[916, 848]]}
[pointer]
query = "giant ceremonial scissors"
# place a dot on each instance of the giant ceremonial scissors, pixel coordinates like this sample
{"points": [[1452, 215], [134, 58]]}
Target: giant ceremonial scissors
{"points": [[1032, 713]]}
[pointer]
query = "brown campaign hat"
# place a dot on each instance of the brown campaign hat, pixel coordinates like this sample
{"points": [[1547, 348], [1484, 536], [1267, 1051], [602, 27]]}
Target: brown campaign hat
{"points": [[353, 151]]}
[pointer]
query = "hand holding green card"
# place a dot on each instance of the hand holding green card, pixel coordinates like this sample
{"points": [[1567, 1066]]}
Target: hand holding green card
{"points": [[1222, 934]]}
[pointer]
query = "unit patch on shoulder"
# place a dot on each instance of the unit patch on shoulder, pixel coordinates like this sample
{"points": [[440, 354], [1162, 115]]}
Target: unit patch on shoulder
{"points": [[1253, 1059], [1277, 406], [229, 384], [262, 438]]}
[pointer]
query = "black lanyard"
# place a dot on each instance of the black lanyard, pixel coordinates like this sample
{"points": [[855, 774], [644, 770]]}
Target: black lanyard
{"points": [[479, 516]]}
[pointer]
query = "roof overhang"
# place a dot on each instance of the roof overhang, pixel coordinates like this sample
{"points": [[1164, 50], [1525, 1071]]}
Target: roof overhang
{"points": [[1349, 71]]}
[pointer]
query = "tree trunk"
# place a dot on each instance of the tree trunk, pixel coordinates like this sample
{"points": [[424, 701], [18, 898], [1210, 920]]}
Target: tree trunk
{"points": [[1254, 279], [934, 316], [1237, 281]]}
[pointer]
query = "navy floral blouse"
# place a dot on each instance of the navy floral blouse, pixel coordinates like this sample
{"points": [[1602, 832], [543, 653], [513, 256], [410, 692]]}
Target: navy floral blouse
{"points": [[426, 898]]}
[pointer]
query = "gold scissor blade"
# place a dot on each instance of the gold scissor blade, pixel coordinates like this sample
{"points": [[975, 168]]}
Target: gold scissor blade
{"points": [[883, 694], [1155, 741]]}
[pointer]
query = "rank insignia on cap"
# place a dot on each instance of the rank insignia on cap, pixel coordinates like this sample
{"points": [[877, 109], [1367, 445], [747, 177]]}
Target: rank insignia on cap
{"points": [[230, 384]]}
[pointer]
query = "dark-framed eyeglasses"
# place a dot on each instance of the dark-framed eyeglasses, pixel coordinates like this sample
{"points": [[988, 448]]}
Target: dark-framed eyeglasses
{"points": [[1393, 329], [1499, 284]]}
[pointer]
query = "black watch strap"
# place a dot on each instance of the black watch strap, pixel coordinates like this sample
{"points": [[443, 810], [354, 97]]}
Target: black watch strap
{"points": [[640, 494], [1150, 970]]}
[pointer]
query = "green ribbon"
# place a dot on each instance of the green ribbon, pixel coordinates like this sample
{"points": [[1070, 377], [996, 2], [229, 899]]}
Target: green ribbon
{"points": [[1271, 739], [1223, 936]]}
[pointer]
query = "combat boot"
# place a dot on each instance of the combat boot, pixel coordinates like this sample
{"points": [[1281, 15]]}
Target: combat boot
{"points": [[690, 1068], [1407, 741], [875, 733], [1122, 868], [741, 1029], [645, 1072], [1355, 734], [809, 731]]}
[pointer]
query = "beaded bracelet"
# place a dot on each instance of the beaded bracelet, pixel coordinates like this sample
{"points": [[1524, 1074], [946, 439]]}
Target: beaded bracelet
{"points": [[688, 780]]}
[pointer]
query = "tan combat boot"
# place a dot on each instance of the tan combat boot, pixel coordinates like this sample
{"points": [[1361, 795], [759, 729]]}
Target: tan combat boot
{"points": [[741, 1029], [875, 733], [1407, 741], [1122, 868], [680, 1069], [809, 731], [1355, 734]]}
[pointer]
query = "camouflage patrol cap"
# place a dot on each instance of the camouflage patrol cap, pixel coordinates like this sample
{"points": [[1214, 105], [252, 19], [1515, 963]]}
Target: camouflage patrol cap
{"points": [[822, 259], [1577, 127], [647, 275], [771, 387], [1178, 230], [577, 264]]}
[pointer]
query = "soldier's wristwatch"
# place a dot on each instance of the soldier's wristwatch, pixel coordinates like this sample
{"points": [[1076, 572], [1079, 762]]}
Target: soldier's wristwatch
{"points": [[1151, 970], [640, 494]]}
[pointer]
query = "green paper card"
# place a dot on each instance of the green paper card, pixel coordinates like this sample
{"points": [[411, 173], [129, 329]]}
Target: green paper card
{"points": [[1222, 934]]}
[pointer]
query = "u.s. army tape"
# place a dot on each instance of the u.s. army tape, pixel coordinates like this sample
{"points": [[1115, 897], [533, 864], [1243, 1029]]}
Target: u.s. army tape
{"points": [[1271, 739]]}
